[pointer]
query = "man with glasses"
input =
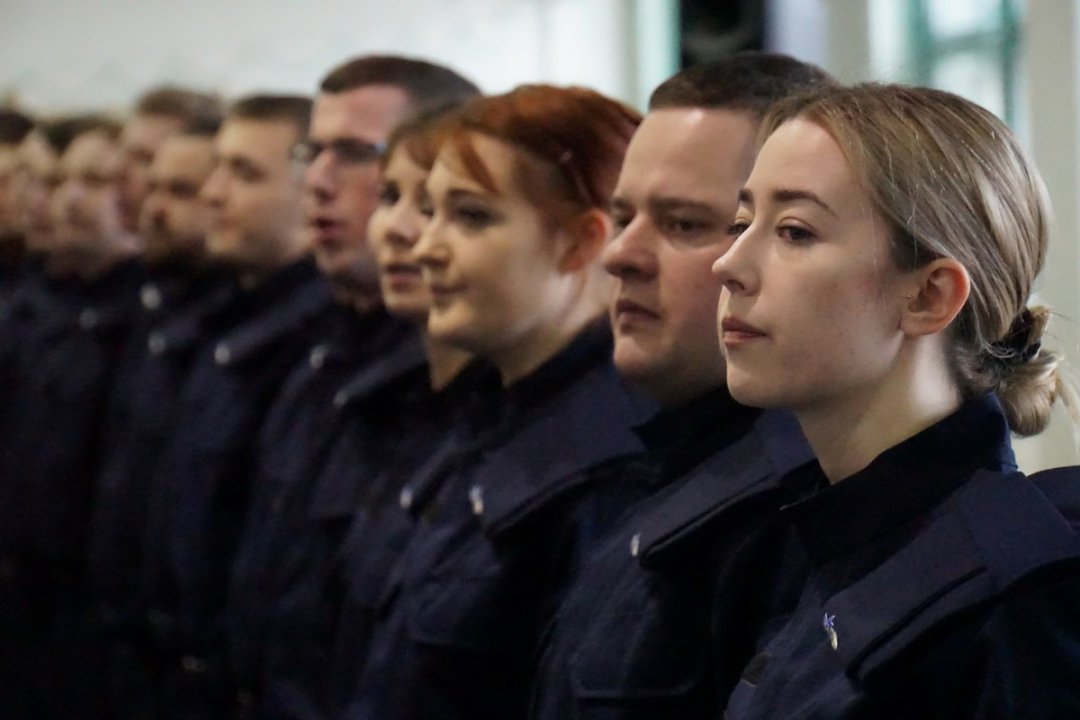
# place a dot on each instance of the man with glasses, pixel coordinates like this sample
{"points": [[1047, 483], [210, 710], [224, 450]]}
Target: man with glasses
{"points": [[278, 612]]}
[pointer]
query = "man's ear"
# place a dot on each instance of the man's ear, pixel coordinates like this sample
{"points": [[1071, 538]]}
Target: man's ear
{"points": [[584, 238], [935, 296]]}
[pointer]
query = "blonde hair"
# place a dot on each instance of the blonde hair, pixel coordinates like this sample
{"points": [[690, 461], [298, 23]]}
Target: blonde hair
{"points": [[952, 181]]}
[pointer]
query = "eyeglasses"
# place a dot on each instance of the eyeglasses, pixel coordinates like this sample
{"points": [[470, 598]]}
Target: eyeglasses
{"points": [[346, 150]]}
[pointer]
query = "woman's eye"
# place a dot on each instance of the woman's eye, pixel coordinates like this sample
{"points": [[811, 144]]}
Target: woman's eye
{"points": [[737, 228], [474, 217], [620, 222], [796, 235], [389, 194]]}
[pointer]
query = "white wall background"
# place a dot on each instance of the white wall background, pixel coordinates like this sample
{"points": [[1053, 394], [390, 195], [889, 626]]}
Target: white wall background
{"points": [[63, 55]]}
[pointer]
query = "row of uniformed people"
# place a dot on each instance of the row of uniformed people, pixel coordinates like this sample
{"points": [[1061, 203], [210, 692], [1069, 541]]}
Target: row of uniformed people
{"points": [[567, 558]]}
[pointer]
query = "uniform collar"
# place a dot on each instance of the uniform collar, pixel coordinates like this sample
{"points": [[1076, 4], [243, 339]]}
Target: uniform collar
{"points": [[905, 480], [677, 439], [989, 536], [393, 350], [293, 298], [185, 327], [540, 454], [749, 462]]}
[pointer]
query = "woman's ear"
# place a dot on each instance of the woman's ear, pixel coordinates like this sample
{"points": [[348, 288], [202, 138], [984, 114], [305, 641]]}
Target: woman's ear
{"points": [[935, 296], [585, 236]]}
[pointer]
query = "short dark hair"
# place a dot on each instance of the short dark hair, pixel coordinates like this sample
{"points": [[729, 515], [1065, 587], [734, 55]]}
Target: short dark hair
{"points": [[60, 132], [287, 108], [747, 81], [14, 126], [191, 107], [425, 83]]}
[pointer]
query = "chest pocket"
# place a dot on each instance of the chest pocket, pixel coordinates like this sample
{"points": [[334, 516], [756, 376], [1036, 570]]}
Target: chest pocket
{"points": [[647, 653], [485, 615]]}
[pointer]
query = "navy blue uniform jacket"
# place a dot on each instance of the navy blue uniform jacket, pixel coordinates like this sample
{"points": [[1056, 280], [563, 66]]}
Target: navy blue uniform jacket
{"points": [[376, 517], [660, 622], [200, 494], [139, 418], [944, 584], [276, 620], [462, 618]]}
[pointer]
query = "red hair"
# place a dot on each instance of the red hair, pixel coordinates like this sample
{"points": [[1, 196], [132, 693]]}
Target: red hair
{"points": [[576, 138]]}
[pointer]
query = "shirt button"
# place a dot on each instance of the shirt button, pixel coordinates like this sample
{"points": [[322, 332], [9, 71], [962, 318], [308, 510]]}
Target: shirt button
{"points": [[635, 544], [406, 498], [317, 357], [476, 498], [88, 319], [150, 297], [222, 354], [156, 344], [340, 399]]}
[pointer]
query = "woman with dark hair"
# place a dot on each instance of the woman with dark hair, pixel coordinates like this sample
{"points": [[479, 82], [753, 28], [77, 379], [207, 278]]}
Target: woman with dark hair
{"points": [[518, 204]]}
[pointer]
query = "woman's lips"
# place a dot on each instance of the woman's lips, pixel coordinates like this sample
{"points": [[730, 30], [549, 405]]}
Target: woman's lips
{"points": [[734, 331]]}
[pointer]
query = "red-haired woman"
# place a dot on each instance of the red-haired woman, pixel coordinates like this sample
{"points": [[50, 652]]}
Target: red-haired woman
{"points": [[518, 203]]}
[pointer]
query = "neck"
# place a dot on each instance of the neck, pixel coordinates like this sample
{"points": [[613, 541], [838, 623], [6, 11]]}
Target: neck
{"points": [[528, 353], [847, 432], [362, 300], [445, 362], [89, 265]]}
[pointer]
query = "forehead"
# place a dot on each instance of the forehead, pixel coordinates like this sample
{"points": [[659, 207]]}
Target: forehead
{"points": [[8, 158], [149, 130], [36, 154], [689, 152], [499, 158], [183, 156], [366, 113], [90, 150], [401, 166], [267, 141], [801, 154]]}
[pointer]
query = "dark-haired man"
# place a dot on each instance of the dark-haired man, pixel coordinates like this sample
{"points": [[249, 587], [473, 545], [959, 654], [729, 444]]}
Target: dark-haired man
{"points": [[280, 615], [74, 324], [159, 114], [183, 290], [14, 127], [665, 615], [200, 488]]}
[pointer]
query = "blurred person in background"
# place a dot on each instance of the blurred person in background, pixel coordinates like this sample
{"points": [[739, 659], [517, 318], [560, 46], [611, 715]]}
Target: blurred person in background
{"points": [[184, 290], [354, 381], [159, 114], [14, 128], [200, 489], [60, 377]]}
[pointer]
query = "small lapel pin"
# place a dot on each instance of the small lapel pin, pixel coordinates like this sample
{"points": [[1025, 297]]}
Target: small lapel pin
{"points": [[829, 623]]}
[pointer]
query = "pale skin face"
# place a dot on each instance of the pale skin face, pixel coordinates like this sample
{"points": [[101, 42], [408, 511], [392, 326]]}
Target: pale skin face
{"points": [[394, 230], [673, 209], [340, 195], [255, 194], [816, 316], [141, 139], [174, 218], [40, 165], [85, 208], [504, 284]]}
